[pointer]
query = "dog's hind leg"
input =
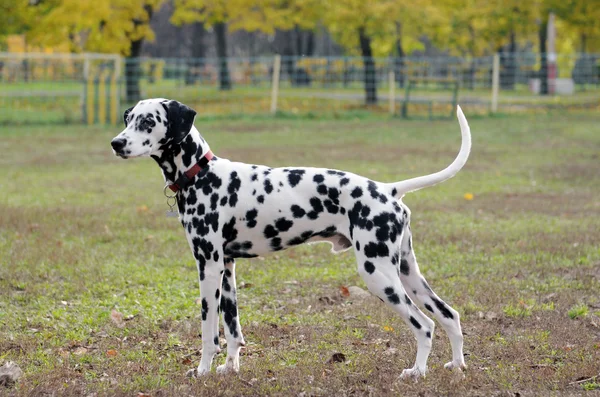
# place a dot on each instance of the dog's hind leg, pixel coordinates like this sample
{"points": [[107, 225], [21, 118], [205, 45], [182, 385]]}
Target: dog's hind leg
{"points": [[233, 330], [420, 291], [382, 279]]}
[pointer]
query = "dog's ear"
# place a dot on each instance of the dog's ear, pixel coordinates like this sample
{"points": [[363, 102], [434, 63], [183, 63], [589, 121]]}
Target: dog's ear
{"points": [[181, 120], [126, 114]]}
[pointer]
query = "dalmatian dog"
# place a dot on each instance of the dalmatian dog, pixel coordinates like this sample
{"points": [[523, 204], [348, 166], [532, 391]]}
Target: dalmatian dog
{"points": [[233, 210]]}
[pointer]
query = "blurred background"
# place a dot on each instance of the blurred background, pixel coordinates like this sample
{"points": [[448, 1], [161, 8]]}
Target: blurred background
{"points": [[83, 61]]}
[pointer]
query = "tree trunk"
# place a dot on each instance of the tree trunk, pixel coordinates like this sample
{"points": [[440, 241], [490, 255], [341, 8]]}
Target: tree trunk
{"points": [[369, 67], [132, 63], [508, 72], [399, 60], [288, 63], [221, 36], [543, 72], [198, 53], [298, 32], [310, 43]]}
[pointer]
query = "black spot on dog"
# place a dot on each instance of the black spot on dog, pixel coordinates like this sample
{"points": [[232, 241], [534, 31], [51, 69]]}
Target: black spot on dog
{"points": [[217, 294], [254, 177], [318, 178], [356, 192], [415, 323], [322, 189], [407, 300], [316, 204], [301, 239], [283, 225], [229, 309], [344, 181], [369, 267], [357, 245], [204, 309], [268, 186], [374, 250], [331, 207], [295, 176], [229, 230], [442, 308], [276, 244], [270, 231], [191, 197], [428, 307], [260, 199], [214, 199], [297, 211], [404, 267], [251, 218], [392, 295]]}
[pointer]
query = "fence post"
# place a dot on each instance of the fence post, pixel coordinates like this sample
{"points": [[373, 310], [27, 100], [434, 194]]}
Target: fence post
{"points": [[495, 82], [275, 83], [392, 94]]}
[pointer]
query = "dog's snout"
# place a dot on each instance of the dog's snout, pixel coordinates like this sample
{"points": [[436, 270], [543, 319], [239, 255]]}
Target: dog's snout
{"points": [[118, 144]]}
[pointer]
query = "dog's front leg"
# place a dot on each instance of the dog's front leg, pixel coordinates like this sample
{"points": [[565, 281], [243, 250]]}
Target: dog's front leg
{"points": [[210, 291], [233, 331]]}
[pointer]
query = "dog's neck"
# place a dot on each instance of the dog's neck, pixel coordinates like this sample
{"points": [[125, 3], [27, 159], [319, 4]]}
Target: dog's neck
{"points": [[174, 160]]}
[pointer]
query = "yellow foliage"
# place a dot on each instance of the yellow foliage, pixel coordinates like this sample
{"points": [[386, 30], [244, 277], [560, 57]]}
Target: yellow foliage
{"points": [[100, 26]]}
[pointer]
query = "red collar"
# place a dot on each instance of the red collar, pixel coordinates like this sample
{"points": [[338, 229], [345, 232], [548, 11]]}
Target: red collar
{"points": [[184, 180]]}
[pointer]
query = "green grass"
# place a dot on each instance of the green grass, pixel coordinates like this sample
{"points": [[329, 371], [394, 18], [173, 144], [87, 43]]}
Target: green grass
{"points": [[83, 233]]}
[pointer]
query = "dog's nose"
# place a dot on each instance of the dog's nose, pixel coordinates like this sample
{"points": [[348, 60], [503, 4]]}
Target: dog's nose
{"points": [[118, 144]]}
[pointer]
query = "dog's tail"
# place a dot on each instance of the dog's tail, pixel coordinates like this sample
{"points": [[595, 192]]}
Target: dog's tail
{"points": [[399, 189]]}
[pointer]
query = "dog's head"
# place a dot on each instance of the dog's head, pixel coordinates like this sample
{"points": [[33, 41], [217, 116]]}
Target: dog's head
{"points": [[151, 126]]}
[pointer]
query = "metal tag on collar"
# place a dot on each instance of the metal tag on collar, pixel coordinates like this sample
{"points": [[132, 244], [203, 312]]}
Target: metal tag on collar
{"points": [[172, 203]]}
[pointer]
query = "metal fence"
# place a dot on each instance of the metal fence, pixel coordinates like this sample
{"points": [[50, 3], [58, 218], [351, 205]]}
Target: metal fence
{"points": [[94, 88]]}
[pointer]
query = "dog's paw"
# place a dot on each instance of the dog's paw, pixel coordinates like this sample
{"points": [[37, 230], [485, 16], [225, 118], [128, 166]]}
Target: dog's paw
{"points": [[196, 373], [456, 365], [224, 369], [412, 373]]}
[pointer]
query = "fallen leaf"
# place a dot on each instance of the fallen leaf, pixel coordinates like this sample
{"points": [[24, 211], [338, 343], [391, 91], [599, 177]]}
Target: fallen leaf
{"points": [[112, 353], [186, 361], [142, 208], [387, 328], [344, 291], [468, 196], [243, 285]]}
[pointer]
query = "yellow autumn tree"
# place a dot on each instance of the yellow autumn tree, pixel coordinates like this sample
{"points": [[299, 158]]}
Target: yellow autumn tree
{"points": [[110, 26], [377, 27]]}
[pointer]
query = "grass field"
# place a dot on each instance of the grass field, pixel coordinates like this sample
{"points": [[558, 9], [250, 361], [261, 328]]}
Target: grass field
{"points": [[98, 289]]}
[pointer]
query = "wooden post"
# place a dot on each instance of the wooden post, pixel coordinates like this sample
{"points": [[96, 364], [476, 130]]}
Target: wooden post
{"points": [[275, 84], [392, 94], [495, 82]]}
